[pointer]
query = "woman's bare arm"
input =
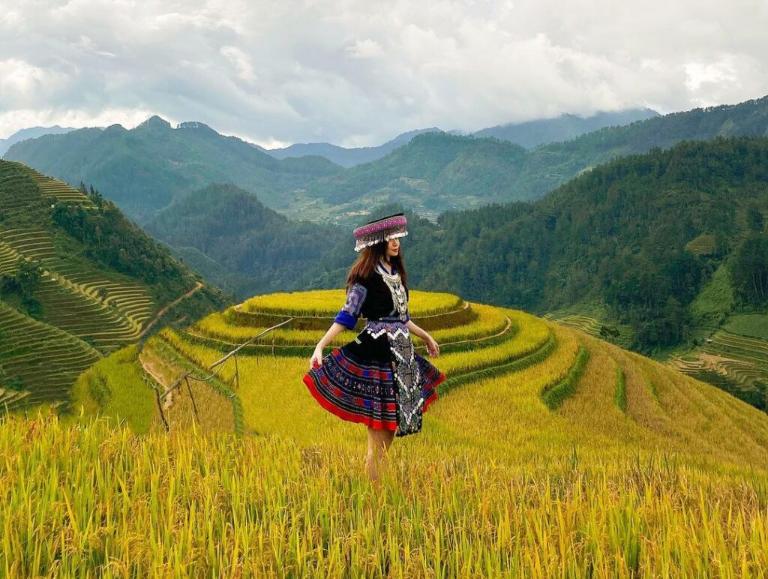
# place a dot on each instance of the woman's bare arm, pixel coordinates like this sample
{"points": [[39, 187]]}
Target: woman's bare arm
{"points": [[414, 329], [335, 329], [432, 346], [317, 356]]}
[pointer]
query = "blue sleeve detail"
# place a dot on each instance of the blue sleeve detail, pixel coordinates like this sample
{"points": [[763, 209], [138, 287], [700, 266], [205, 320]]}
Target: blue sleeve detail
{"points": [[349, 314], [346, 320]]}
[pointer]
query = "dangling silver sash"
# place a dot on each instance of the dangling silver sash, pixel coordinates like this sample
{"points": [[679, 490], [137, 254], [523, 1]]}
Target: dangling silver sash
{"points": [[405, 368]]}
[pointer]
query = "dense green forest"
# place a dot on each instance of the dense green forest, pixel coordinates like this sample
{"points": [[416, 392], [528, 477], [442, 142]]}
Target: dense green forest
{"points": [[628, 234], [237, 242]]}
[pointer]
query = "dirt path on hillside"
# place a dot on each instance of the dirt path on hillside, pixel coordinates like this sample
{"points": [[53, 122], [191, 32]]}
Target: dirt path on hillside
{"points": [[161, 313], [162, 373]]}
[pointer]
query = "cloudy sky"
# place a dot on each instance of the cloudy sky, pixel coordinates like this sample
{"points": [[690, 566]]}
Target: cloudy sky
{"points": [[359, 73]]}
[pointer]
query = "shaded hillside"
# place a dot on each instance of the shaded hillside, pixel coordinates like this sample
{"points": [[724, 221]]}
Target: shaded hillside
{"points": [[642, 234], [242, 245], [531, 134], [77, 280], [144, 169], [343, 156]]}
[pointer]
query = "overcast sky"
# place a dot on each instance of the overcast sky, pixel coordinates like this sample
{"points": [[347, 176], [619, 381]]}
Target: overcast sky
{"points": [[359, 73]]}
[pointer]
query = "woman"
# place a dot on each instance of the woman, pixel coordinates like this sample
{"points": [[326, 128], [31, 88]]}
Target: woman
{"points": [[377, 379]]}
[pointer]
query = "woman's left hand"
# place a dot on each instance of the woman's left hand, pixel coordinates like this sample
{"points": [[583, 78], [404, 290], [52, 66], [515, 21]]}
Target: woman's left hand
{"points": [[432, 346]]}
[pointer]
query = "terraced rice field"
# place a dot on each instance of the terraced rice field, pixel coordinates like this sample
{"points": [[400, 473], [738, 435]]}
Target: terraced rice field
{"points": [[730, 361], [594, 327], [100, 311], [50, 187], [548, 369], [46, 359], [549, 453]]}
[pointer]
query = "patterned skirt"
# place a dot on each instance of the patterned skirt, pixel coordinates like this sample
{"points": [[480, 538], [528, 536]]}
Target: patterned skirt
{"points": [[362, 381]]}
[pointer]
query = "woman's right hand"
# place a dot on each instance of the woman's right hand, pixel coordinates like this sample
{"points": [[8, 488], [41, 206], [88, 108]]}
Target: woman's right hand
{"points": [[317, 358]]}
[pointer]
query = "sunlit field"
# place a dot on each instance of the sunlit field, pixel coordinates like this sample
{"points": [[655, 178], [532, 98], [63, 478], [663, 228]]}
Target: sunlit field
{"points": [[548, 453]]}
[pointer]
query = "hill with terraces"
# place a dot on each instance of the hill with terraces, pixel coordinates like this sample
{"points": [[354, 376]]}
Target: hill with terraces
{"points": [[546, 379], [78, 282], [549, 452]]}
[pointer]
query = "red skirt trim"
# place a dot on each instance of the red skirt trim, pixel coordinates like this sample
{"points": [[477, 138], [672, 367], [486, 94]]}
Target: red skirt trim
{"points": [[346, 415], [372, 422]]}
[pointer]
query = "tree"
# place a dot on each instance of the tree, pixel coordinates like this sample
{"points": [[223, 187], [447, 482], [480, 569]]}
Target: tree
{"points": [[755, 220], [749, 270]]}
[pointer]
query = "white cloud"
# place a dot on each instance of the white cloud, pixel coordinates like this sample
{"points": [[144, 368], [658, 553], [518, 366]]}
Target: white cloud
{"points": [[366, 48], [358, 73], [240, 62]]}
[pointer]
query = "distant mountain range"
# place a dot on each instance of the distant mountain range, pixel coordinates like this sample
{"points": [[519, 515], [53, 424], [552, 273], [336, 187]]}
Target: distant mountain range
{"points": [[531, 134], [343, 156], [30, 133], [146, 168]]}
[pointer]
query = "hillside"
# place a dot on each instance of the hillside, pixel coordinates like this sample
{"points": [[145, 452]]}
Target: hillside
{"points": [[436, 172], [241, 245], [144, 169], [343, 156], [30, 133], [638, 251], [547, 452], [77, 281], [531, 134]]}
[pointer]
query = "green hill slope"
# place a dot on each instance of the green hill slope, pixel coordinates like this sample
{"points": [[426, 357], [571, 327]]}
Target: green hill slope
{"points": [[438, 171], [146, 168], [240, 244], [77, 280], [548, 452]]}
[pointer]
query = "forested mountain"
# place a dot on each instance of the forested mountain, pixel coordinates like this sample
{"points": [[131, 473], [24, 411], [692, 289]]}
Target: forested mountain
{"points": [[528, 134], [438, 172], [531, 134], [643, 235], [144, 169], [30, 133], [231, 238], [346, 157], [77, 280]]}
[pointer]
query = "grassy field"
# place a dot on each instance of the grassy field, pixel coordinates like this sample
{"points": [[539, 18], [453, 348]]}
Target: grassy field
{"points": [[637, 470]]}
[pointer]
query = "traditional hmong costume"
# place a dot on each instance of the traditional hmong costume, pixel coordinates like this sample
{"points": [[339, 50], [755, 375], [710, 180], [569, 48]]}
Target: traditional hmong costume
{"points": [[377, 379]]}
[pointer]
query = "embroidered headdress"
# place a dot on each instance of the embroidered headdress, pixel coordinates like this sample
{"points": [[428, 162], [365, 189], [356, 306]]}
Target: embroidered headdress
{"points": [[380, 230]]}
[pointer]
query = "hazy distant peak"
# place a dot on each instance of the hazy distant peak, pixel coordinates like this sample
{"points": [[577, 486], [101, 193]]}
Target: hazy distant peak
{"points": [[154, 122], [195, 125]]}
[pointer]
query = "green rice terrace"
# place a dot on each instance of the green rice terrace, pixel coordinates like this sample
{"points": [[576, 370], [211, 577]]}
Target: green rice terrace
{"points": [[78, 310], [549, 452], [734, 358]]}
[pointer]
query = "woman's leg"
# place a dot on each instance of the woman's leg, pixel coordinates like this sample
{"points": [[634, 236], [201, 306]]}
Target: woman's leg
{"points": [[379, 441]]}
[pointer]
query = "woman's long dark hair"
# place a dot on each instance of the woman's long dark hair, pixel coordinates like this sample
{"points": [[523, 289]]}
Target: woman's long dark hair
{"points": [[366, 263]]}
